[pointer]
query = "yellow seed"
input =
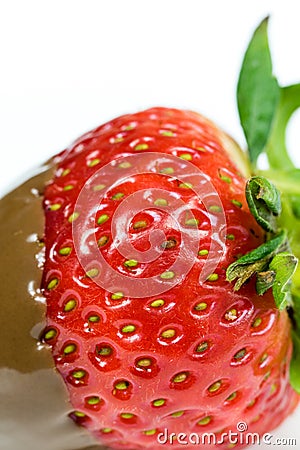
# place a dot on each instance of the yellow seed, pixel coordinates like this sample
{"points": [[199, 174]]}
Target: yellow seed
{"points": [[161, 202], [170, 243], [150, 432], [117, 296], [68, 349], [68, 187], [103, 218], [236, 203], [65, 172], [215, 208], [104, 351], [139, 224], [157, 303], [215, 386], [168, 275], [127, 415], [124, 165], [118, 196], [93, 400], [225, 178], [128, 329], [50, 334], [200, 306], [186, 156], [92, 273], [54, 206], [167, 334], [231, 397], [159, 402], [73, 217], [52, 283], [180, 377], [186, 185], [117, 139], [130, 263], [167, 171], [230, 237], [267, 375], [78, 374], [203, 252], [178, 414], [144, 362], [102, 241], [79, 414], [231, 314], [213, 277], [202, 347], [71, 304], [240, 354], [192, 222], [106, 430], [98, 187], [65, 251], [167, 133], [263, 358], [255, 419], [94, 318], [140, 147], [122, 385], [205, 421], [94, 162], [257, 322]]}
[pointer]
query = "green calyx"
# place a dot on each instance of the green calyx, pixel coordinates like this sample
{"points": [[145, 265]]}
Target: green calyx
{"points": [[256, 262], [264, 202], [273, 195]]}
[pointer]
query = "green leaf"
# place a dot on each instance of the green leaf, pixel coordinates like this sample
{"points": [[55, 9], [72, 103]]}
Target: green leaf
{"points": [[276, 147], [263, 200], [288, 181], [255, 261], [295, 363], [295, 203], [257, 92], [284, 265], [264, 281], [296, 308]]}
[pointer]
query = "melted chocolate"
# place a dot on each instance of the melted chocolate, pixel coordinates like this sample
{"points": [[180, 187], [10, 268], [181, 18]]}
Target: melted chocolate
{"points": [[33, 397]]}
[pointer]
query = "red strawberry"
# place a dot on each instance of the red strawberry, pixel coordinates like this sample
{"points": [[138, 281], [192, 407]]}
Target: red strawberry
{"points": [[195, 356]]}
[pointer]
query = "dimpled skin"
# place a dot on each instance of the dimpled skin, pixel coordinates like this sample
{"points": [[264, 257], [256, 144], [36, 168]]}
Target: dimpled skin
{"points": [[197, 358]]}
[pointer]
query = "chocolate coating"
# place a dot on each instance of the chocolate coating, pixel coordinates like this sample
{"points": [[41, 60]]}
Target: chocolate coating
{"points": [[34, 401]]}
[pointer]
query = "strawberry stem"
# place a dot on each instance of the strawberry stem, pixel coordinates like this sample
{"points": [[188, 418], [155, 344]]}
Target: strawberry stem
{"points": [[265, 109]]}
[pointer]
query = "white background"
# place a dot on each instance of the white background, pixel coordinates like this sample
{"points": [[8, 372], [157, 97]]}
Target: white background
{"points": [[68, 65]]}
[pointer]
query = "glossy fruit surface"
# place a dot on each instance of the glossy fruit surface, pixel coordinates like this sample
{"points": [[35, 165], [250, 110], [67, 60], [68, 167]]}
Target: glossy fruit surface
{"points": [[183, 353]]}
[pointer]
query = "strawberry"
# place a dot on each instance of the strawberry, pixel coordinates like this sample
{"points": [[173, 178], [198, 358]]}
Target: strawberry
{"points": [[145, 343]]}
